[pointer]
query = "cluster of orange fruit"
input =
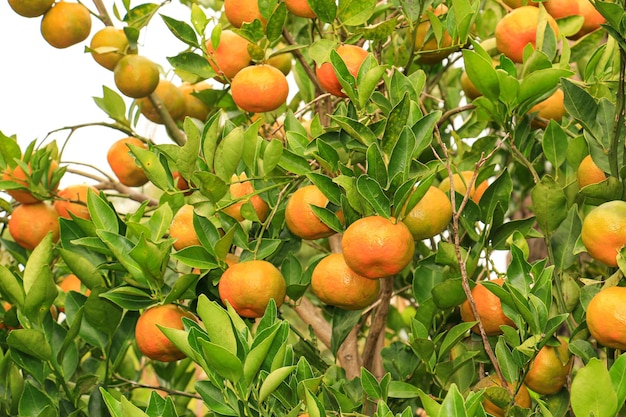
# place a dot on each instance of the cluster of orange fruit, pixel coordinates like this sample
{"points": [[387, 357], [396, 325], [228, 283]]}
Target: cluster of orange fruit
{"points": [[33, 218]]}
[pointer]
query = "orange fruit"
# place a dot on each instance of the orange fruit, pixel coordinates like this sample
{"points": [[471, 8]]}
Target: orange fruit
{"points": [[335, 284], [194, 107], [18, 175], [592, 18], [428, 50], [589, 173], [300, 8], [108, 46], [519, 3], [522, 398], [181, 182], [171, 98], [73, 199], [66, 24], [30, 223], [123, 164], [249, 286], [240, 187], [151, 341], [376, 247], [136, 76], [182, 228], [460, 185], [300, 218], [239, 12], [519, 28], [549, 370], [71, 282], [489, 310], [559, 9], [430, 216], [230, 56], [30, 8], [259, 88], [552, 108], [353, 56], [604, 231], [606, 317]]}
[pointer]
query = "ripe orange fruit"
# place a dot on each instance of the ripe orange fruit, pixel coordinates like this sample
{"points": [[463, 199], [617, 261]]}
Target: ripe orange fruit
{"points": [[18, 175], [241, 187], [606, 317], [182, 228], [239, 12], [259, 88], [559, 9], [123, 164], [71, 282], [172, 99], [519, 3], [108, 46], [430, 216], [428, 50], [489, 310], [194, 107], [552, 108], [335, 284], [73, 199], [460, 185], [30, 8], [519, 28], [30, 223], [353, 56], [604, 231], [589, 173], [150, 339], [549, 370], [136, 76], [230, 56], [300, 218], [376, 247], [300, 8], [249, 286], [592, 18], [522, 398], [66, 24]]}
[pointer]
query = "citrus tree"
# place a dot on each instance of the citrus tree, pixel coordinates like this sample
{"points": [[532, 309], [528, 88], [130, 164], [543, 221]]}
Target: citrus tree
{"points": [[323, 233]]}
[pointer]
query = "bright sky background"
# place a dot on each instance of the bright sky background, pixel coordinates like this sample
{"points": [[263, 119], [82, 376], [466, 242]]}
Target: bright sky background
{"points": [[43, 88]]}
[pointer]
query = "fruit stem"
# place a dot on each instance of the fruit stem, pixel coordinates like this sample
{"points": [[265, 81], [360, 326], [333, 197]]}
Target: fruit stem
{"points": [[104, 14], [172, 129]]}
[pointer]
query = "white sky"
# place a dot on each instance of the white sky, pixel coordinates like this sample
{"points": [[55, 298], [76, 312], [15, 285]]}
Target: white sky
{"points": [[43, 88]]}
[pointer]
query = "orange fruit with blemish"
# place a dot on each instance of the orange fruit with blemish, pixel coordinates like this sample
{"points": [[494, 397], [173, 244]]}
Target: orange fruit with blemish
{"points": [[377, 247], [31, 8], [136, 76]]}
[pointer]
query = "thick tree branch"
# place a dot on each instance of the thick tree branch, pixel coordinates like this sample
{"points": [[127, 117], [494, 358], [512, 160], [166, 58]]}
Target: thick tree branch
{"points": [[371, 351]]}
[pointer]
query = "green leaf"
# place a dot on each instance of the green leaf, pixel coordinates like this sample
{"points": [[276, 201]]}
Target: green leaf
{"points": [[554, 144], [112, 104], [453, 336], [102, 214], [188, 153], [453, 404], [564, 238], [326, 11], [396, 122], [121, 248], [257, 355], [271, 156], [223, 361], [355, 129], [129, 298], [182, 31], [214, 398], [11, 288], [228, 154], [355, 12], [192, 67], [399, 389], [508, 366], [376, 167], [372, 192], [370, 385], [343, 322], [273, 381], [593, 392], [31, 342], [41, 291], [618, 378], [35, 402], [482, 73], [151, 165], [276, 22], [217, 324], [549, 204]]}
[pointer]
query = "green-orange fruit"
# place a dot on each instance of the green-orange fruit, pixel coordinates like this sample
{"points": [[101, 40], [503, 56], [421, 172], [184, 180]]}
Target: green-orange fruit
{"points": [[66, 24], [136, 76], [30, 8]]}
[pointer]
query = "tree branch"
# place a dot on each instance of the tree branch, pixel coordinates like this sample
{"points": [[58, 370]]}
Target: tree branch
{"points": [[371, 351]]}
